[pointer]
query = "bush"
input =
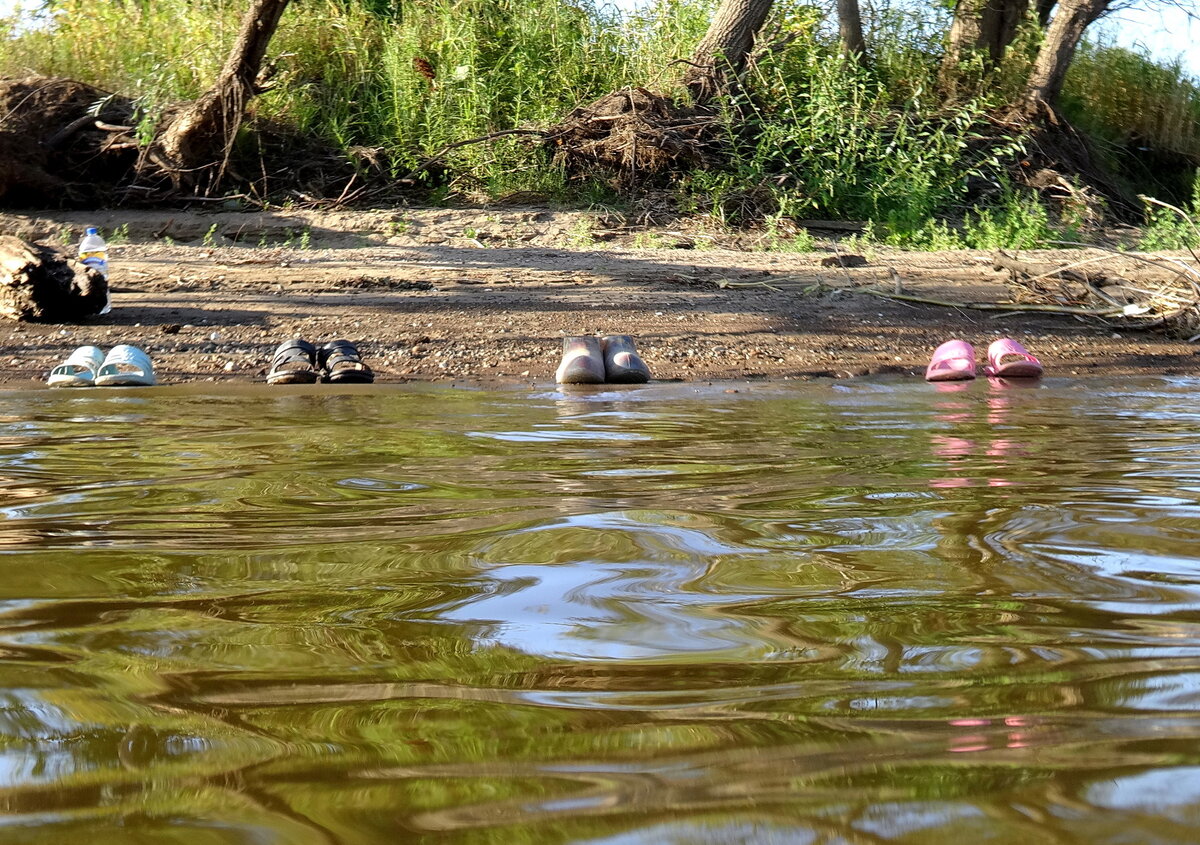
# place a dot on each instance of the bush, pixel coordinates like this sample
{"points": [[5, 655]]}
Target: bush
{"points": [[1144, 114], [1169, 228], [810, 135]]}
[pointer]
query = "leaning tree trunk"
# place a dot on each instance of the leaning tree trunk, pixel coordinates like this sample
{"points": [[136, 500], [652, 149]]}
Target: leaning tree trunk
{"points": [[1053, 142], [850, 29], [37, 283], [723, 50], [196, 143], [979, 26], [1054, 57]]}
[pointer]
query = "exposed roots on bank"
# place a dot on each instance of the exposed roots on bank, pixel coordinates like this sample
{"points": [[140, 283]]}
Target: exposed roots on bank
{"points": [[637, 137]]}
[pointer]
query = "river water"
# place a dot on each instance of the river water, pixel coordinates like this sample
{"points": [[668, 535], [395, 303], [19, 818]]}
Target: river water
{"points": [[851, 612]]}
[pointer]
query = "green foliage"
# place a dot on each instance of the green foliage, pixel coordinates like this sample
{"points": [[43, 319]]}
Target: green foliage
{"points": [[351, 77], [1168, 228], [816, 136], [649, 240], [582, 233], [780, 235], [1143, 114], [811, 135], [1125, 96], [928, 234], [1018, 222]]}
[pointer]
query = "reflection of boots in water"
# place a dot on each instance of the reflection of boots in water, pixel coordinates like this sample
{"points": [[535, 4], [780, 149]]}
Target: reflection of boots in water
{"points": [[622, 364], [582, 361]]}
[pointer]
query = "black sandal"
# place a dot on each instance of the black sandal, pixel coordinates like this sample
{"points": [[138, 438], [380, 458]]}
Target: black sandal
{"points": [[295, 362], [341, 364]]}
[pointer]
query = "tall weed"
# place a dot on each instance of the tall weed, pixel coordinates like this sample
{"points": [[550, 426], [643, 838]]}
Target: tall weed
{"points": [[811, 135], [1124, 95], [1168, 228], [1017, 222], [815, 136], [1144, 114]]}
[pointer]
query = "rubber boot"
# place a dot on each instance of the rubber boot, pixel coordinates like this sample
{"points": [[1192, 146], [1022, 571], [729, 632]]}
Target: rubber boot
{"points": [[622, 364], [582, 361]]}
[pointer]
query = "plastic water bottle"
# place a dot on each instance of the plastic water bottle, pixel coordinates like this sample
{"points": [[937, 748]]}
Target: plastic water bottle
{"points": [[93, 252]]}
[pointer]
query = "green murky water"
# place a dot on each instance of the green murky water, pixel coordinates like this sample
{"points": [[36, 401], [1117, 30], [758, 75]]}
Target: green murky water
{"points": [[860, 613]]}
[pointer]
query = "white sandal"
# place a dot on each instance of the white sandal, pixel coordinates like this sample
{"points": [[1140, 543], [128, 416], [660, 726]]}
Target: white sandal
{"points": [[125, 366], [79, 370]]}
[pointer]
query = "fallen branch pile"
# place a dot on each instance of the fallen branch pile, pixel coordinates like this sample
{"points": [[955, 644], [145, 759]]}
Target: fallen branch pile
{"points": [[635, 135], [1122, 289]]}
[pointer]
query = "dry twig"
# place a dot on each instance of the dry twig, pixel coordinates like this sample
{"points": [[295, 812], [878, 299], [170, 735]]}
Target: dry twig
{"points": [[1164, 295]]}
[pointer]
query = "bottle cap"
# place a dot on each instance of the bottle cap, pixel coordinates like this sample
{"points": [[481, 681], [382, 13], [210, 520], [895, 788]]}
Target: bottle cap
{"points": [[92, 230]]}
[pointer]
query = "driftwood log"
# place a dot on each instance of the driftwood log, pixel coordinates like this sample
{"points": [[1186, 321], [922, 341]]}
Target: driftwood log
{"points": [[39, 284]]}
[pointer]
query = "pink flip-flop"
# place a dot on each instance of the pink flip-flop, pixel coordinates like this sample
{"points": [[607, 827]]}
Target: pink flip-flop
{"points": [[954, 360], [1019, 364]]}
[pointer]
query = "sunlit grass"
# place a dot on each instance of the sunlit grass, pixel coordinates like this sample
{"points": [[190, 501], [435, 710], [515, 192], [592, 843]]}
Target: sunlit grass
{"points": [[811, 135]]}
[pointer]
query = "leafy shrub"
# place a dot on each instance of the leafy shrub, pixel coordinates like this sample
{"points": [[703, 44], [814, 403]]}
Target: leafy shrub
{"points": [[1173, 228], [1018, 222], [811, 134]]}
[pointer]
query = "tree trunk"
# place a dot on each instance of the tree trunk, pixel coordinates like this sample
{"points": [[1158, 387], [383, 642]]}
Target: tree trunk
{"points": [[986, 26], [200, 138], [1054, 57], [39, 284], [723, 50], [850, 29], [1001, 20]]}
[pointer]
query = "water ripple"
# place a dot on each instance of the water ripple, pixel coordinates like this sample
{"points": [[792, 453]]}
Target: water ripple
{"points": [[856, 612]]}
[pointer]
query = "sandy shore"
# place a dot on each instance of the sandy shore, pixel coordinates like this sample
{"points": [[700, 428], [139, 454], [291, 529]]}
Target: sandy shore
{"points": [[487, 296]]}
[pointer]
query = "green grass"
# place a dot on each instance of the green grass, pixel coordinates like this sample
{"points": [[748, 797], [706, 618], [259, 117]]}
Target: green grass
{"points": [[810, 136], [1173, 228], [1143, 115], [1016, 221]]}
